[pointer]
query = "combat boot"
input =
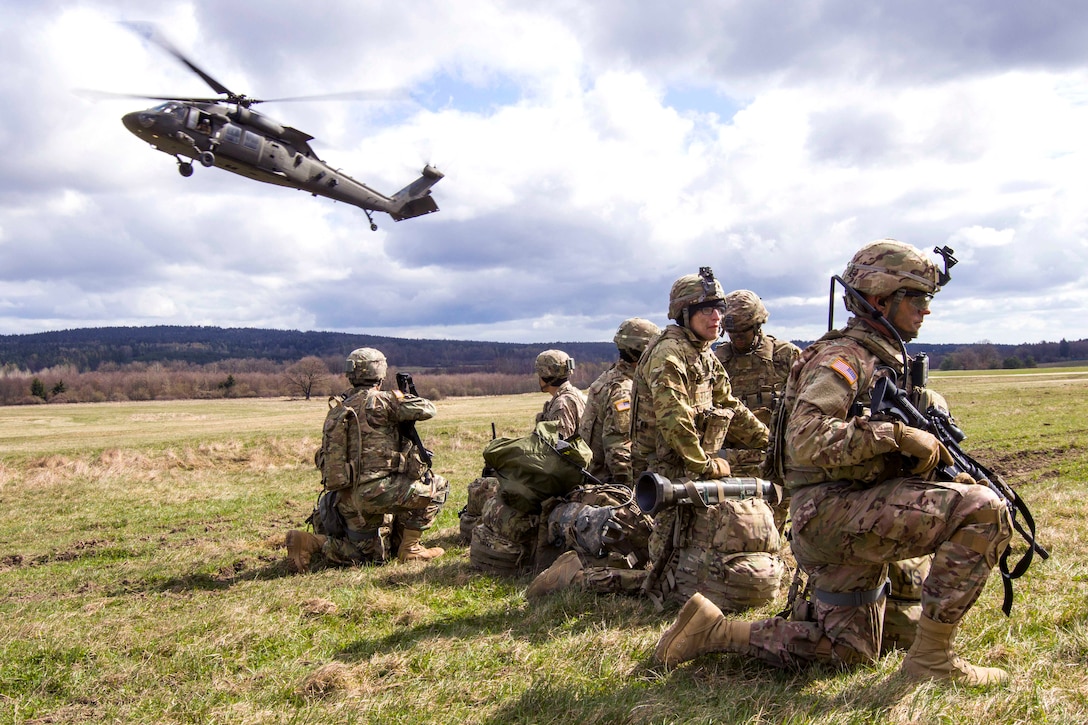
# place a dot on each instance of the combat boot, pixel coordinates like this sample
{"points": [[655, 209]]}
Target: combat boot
{"points": [[300, 547], [931, 657], [564, 572], [411, 550], [700, 628]]}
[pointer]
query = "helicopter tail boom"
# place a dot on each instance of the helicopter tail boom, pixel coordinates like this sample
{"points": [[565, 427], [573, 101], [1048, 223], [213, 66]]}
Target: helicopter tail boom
{"points": [[415, 199]]}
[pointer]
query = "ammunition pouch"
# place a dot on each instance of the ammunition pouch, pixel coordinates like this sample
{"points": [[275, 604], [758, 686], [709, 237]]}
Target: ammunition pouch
{"points": [[715, 424]]}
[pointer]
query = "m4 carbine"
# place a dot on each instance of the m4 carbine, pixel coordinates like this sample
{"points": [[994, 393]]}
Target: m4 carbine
{"points": [[408, 428], [891, 402]]}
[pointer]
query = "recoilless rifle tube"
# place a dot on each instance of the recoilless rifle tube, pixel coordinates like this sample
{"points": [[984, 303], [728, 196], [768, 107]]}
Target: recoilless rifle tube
{"points": [[654, 492]]}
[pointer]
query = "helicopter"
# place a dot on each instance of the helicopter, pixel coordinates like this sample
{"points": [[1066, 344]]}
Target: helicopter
{"points": [[225, 133]]}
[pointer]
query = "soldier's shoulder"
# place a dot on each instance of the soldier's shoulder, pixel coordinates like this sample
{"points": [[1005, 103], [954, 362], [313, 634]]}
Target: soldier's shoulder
{"points": [[846, 359], [784, 349]]}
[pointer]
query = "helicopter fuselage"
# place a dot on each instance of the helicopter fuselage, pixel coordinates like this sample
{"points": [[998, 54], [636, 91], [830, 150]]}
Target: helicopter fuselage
{"points": [[236, 139]]}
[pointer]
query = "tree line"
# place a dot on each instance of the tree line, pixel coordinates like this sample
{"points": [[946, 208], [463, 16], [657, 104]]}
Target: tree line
{"points": [[171, 362], [311, 377]]}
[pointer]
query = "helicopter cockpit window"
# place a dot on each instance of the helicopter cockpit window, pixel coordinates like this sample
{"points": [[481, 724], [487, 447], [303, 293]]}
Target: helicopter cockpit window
{"points": [[174, 109]]}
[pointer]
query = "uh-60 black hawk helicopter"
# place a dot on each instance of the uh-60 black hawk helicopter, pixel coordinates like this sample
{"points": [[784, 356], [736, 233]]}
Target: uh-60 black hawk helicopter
{"points": [[225, 133]]}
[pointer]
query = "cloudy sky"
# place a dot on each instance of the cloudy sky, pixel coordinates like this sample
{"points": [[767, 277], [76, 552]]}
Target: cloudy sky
{"points": [[593, 152]]}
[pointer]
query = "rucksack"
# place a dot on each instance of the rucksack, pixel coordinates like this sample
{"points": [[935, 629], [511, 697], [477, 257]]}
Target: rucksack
{"points": [[903, 607], [480, 492], [341, 445], [538, 466], [503, 539], [728, 552]]}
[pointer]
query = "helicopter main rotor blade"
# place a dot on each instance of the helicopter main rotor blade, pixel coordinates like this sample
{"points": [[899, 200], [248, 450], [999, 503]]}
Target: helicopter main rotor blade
{"points": [[150, 32], [88, 93], [387, 95]]}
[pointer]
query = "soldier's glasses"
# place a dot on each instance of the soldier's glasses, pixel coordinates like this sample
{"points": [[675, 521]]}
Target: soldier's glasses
{"points": [[919, 299]]}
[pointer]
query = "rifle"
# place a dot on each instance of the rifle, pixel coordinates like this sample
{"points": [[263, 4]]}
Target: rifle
{"points": [[889, 400], [408, 427]]}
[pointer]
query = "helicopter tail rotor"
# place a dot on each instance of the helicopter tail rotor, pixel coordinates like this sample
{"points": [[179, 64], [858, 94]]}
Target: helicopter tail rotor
{"points": [[415, 199]]}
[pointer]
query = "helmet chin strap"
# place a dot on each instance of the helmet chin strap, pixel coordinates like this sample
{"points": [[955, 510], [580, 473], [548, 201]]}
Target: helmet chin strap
{"points": [[872, 312], [896, 300], [757, 336]]}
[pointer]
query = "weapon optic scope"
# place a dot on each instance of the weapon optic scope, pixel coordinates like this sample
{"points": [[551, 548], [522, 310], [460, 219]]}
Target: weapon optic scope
{"points": [[654, 492]]}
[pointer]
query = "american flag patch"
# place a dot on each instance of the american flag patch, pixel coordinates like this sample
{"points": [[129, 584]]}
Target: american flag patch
{"points": [[623, 405], [843, 368]]}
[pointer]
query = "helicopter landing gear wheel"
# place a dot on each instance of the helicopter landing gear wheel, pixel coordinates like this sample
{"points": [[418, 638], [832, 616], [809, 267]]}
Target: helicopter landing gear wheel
{"points": [[185, 169], [373, 226], [207, 158]]}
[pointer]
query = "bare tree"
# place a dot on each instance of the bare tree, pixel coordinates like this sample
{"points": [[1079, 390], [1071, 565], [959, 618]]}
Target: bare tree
{"points": [[306, 374]]}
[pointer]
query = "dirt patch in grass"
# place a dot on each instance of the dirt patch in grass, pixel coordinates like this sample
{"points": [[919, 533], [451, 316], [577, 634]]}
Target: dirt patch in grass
{"points": [[1028, 466]]}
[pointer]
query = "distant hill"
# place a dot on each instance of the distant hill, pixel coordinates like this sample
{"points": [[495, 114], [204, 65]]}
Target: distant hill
{"points": [[88, 349]]}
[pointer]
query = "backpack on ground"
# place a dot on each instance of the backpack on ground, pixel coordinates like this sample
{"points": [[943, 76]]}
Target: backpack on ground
{"points": [[727, 552], [503, 540], [903, 606], [538, 466], [480, 492]]}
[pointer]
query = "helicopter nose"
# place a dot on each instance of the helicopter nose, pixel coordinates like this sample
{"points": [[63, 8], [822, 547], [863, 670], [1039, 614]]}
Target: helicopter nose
{"points": [[138, 121]]}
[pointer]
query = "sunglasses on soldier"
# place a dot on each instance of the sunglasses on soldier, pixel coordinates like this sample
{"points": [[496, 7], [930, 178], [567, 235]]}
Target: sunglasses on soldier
{"points": [[919, 299]]}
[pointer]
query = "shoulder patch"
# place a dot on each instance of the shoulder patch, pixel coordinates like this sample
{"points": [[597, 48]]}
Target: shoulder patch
{"points": [[622, 406], [843, 368]]}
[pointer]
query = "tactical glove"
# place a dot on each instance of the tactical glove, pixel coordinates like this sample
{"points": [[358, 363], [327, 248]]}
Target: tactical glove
{"points": [[921, 445], [717, 468]]}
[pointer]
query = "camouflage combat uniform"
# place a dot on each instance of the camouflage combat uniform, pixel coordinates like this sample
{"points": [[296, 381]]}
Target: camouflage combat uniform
{"points": [[566, 407], [684, 408], [853, 512], [606, 423], [392, 477], [757, 377]]}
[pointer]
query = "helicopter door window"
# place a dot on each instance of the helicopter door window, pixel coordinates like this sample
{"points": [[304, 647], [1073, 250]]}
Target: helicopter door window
{"points": [[200, 121], [232, 134], [251, 140]]}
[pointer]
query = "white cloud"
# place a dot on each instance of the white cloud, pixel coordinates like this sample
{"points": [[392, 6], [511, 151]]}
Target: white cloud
{"points": [[592, 155]]}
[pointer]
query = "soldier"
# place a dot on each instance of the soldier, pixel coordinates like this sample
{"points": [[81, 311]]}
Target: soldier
{"points": [[683, 410], [684, 404], [757, 364], [389, 475], [853, 510], [554, 367], [606, 421]]}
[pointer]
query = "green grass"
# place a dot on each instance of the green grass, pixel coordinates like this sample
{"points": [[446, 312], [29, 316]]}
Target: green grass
{"points": [[142, 579]]}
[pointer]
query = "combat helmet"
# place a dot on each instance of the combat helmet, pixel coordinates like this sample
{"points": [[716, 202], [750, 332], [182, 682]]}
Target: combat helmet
{"points": [[634, 335], [553, 366], [693, 289], [882, 267], [366, 366], [743, 311]]}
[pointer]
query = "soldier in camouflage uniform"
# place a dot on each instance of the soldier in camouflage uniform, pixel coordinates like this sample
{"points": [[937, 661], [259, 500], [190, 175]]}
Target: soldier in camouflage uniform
{"points": [[567, 402], [757, 364], [853, 509], [606, 421], [684, 406], [683, 411], [391, 477]]}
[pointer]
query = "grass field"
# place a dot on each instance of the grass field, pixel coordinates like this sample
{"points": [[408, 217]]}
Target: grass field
{"points": [[142, 579]]}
